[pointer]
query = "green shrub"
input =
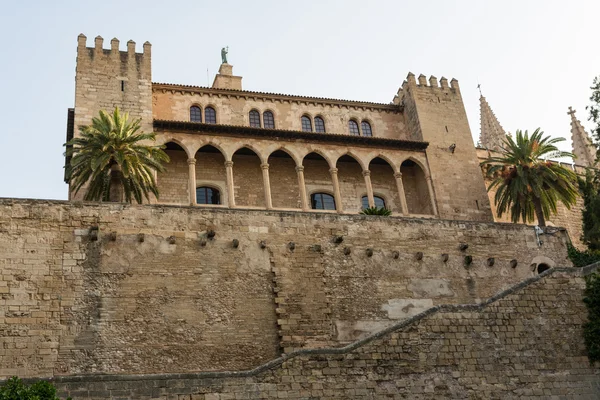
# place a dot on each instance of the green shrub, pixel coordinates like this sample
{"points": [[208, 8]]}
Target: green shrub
{"points": [[15, 389], [376, 211], [582, 258], [591, 329]]}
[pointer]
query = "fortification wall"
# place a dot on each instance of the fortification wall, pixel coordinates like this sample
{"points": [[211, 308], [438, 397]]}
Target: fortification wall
{"points": [[155, 293], [525, 343], [437, 113]]}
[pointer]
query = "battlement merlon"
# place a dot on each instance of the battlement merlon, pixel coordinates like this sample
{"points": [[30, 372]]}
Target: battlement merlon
{"points": [[411, 81], [99, 54], [422, 82]]}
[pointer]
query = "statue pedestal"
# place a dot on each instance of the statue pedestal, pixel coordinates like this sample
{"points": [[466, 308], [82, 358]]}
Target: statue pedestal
{"points": [[226, 69], [226, 80]]}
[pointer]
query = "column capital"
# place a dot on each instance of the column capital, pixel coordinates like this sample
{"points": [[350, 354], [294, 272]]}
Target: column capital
{"points": [[428, 177], [191, 161], [229, 164], [333, 171], [366, 172], [300, 168], [264, 166], [398, 175]]}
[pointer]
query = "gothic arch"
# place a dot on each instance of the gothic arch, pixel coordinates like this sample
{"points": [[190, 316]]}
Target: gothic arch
{"points": [[354, 156]]}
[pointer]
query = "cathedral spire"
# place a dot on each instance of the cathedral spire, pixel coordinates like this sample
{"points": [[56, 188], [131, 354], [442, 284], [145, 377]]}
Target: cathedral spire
{"points": [[492, 135], [583, 148]]}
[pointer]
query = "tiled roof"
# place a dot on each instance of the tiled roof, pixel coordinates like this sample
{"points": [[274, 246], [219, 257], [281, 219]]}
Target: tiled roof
{"points": [[202, 128]]}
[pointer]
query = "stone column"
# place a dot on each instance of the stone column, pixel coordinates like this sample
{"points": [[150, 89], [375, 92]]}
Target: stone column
{"points": [[401, 194], [336, 190], [230, 194], [431, 197], [302, 186], [192, 180], [367, 174], [267, 186]]}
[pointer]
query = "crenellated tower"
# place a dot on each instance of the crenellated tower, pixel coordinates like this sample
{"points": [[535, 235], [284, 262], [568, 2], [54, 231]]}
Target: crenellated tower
{"points": [[492, 134], [434, 112], [583, 147], [109, 78]]}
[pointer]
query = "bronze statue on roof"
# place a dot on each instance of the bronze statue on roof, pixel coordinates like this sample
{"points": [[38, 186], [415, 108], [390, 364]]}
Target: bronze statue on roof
{"points": [[224, 52]]}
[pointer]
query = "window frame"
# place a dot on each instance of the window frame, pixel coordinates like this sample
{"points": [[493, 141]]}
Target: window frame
{"points": [[195, 106], [362, 128], [256, 113], [350, 122], [320, 118], [206, 109], [214, 190], [272, 119], [321, 194], [364, 200], [309, 119]]}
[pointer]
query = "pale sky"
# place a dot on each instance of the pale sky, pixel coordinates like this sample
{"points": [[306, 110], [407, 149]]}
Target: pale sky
{"points": [[532, 58]]}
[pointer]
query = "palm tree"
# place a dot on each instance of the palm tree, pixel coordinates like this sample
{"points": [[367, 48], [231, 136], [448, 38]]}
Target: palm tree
{"points": [[526, 183], [110, 157]]}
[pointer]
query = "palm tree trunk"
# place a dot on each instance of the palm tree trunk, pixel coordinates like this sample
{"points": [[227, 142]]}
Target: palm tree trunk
{"points": [[116, 189], [539, 212]]}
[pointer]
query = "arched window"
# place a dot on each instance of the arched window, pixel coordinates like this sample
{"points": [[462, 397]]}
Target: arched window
{"points": [[319, 125], [353, 127], [210, 115], [322, 201], [208, 195], [195, 114], [306, 124], [366, 128], [268, 120], [379, 202], [254, 119]]}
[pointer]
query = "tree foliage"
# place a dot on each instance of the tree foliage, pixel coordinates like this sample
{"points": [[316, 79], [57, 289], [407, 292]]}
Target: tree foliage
{"points": [[376, 211], [527, 184], [589, 188], [590, 184], [110, 156], [591, 329], [15, 389]]}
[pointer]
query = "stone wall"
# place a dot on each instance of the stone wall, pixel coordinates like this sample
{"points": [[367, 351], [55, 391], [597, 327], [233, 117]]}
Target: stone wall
{"points": [[173, 102], [524, 343], [155, 293], [438, 113]]}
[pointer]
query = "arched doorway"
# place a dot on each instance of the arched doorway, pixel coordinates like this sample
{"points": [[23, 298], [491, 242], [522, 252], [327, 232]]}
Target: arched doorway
{"points": [[248, 179], [415, 188], [352, 183], [211, 178], [384, 184], [285, 192], [173, 183]]}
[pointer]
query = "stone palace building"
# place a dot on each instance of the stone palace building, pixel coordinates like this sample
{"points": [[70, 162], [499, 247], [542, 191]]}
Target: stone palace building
{"points": [[243, 149]]}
